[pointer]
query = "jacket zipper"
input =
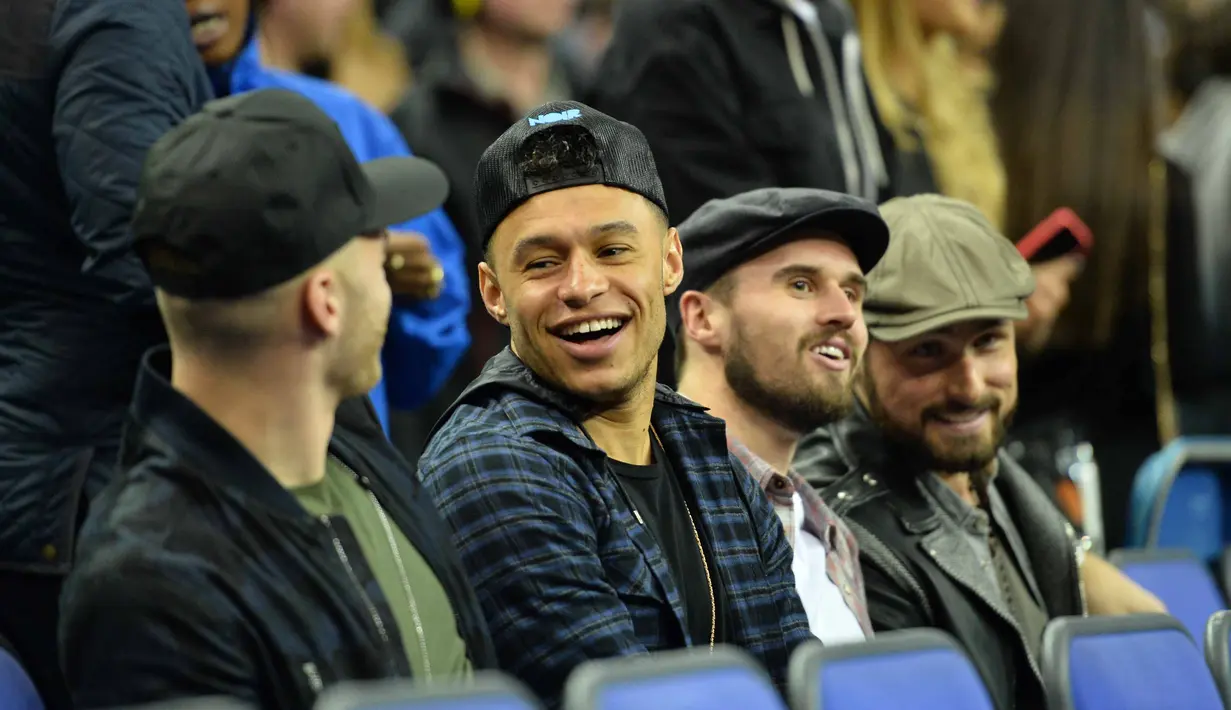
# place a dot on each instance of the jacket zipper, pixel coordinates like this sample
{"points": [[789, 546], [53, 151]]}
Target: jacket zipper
{"points": [[1077, 561], [421, 636], [378, 622]]}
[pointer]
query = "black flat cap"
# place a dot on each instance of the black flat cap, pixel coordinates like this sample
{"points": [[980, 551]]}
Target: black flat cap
{"points": [[727, 232]]}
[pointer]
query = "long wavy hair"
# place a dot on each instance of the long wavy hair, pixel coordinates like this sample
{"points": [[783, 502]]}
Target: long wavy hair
{"points": [[951, 114], [1077, 109]]}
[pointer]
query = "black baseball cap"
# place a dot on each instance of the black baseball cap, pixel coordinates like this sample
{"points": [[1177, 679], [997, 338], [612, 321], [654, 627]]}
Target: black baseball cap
{"points": [[724, 233], [623, 160], [260, 187]]}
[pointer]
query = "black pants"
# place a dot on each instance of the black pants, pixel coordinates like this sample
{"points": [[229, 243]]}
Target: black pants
{"points": [[29, 615]]}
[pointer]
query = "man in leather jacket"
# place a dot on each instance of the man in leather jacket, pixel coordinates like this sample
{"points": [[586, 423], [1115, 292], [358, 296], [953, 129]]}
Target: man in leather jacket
{"points": [[952, 533]]}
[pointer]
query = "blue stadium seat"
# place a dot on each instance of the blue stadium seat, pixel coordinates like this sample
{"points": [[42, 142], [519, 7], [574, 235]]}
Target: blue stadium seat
{"points": [[1137, 662], [1178, 497], [688, 679], [16, 689], [917, 669], [487, 691], [1183, 583], [209, 703], [1218, 652]]}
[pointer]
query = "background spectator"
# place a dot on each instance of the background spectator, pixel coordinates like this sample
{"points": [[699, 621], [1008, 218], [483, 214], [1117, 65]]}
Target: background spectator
{"points": [[498, 63], [929, 100], [1076, 110], [1198, 143], [85, 89], [264, 45]]}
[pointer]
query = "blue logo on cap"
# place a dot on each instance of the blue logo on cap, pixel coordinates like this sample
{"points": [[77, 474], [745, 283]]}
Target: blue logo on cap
{"points": [[555, 117]]}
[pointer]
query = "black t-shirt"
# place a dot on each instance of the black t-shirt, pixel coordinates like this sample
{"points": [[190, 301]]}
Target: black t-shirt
{"points": [[658, 497]]}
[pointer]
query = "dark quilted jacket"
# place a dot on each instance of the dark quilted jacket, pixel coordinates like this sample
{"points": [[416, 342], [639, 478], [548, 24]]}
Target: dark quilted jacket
{"points": [[86, 86]]}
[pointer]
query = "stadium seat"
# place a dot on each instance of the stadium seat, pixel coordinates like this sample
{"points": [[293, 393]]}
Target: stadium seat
{"points": [[1178, 497], [487, 691], [1218, 652], [210, 703], [688, 679], [1138, 662], [1183, 583], [16, 689], [1224, 573], [918, 669]]}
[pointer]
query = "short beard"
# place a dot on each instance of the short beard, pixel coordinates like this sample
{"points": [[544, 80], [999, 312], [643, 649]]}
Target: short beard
{"points": [[796, 408], [974, 459]]}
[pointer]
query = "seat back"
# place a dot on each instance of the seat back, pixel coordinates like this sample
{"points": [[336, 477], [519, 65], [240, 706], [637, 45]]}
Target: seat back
{"points": [[917, 669], [206, 703], [1137, 662], [1218, 652], [687, 679], [16, 689], [1181, 581], [488, 690], [1177, 497]]}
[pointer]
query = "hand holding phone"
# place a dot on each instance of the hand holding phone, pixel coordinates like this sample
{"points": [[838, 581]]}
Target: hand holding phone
{"points": [[1062, 233]]}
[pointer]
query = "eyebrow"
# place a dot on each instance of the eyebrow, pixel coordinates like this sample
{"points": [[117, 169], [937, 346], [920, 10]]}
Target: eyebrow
{"points": [[851, 278], [606, 229]]}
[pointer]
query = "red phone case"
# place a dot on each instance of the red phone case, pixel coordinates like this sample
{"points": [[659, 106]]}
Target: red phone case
{"points": [[1051, 227]]}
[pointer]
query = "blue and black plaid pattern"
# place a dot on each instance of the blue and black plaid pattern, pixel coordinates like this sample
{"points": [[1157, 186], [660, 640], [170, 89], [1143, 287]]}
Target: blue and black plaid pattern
{"points": [[562, 569]]}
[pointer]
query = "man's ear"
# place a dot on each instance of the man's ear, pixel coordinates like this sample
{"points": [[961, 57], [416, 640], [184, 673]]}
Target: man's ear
{"points": [[321, 300], [673, 262], [493, 297], [702, 320]]}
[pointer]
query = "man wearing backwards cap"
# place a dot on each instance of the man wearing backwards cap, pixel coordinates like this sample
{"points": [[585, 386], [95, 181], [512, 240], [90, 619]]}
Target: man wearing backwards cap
{"points": [[597, 515], [770, 330], [953, 533], [255, 544]]}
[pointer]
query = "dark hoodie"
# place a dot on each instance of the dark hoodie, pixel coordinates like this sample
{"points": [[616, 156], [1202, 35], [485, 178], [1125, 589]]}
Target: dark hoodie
{"points": [[735, 95], [563, 571]]}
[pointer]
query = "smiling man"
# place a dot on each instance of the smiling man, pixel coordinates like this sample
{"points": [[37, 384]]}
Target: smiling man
{"points": [[769, 332], [597, 515], [953, 534]]}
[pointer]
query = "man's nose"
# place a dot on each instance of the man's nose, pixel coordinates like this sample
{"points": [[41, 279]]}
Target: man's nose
{"points": [[583, 282]]}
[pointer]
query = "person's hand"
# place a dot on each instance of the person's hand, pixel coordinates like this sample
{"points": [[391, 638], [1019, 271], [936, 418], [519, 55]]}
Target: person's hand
{"points": [[411, 268], [1051, 294]]}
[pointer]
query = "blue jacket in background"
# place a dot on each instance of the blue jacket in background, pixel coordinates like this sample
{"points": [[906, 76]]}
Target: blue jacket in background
{"points": [[426, 338]]}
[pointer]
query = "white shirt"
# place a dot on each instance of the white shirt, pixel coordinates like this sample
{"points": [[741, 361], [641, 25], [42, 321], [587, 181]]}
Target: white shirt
{"points": [[830, 619]]}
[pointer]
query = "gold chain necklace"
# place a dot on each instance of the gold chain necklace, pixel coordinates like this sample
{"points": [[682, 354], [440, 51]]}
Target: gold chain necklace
{"points": [[709, 582]]}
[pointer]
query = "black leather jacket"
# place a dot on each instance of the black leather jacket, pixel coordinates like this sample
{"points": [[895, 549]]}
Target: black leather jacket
{"points": [[917, 572]]}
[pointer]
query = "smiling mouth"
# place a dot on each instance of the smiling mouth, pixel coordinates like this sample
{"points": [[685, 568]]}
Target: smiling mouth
{"points": [[831, 352], [590, 330], [967, 417]]}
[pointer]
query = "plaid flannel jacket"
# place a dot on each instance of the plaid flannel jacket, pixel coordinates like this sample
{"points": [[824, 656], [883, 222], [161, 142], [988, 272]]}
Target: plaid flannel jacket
{"points": [[562, 570], [841, 549]]}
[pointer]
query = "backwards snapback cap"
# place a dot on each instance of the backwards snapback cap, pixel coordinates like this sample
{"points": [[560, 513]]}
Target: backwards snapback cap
{"points": [[623, 159], [945, 264], [260, 187]]}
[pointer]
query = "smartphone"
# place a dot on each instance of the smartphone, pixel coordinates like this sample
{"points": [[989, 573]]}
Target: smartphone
{"points": [[1061, 234]]}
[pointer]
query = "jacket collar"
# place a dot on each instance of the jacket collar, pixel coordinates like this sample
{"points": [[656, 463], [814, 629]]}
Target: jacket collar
{"points": [[505, 372], [170, 421]]}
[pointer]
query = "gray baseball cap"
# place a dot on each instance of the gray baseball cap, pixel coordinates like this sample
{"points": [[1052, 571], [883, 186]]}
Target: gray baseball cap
{"points": [[945, 264]]}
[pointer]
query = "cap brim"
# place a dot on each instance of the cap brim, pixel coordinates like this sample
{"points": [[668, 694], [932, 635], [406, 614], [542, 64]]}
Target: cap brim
{"points": [[892, 332], [403, 188]]}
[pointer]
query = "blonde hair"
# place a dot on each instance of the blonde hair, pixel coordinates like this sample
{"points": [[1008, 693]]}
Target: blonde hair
{"points": [[952, 116]]}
